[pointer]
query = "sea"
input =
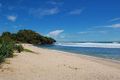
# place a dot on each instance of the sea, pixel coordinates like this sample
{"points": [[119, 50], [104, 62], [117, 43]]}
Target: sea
{"points": [[108, 50]]}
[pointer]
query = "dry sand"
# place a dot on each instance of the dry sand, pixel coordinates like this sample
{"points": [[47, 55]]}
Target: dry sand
{"points": [[55, 65]]}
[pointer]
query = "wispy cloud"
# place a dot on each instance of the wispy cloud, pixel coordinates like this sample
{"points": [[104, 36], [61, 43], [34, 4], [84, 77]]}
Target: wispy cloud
{"points": [[84, 32], [12, 18], [94, 31], [41, 12], [55, 33], [115, 19], [76, 12], [115, 25], [55, 2]]}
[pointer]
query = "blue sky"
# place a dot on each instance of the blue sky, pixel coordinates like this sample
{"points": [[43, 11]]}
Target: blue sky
{"points": [[64, 20]]}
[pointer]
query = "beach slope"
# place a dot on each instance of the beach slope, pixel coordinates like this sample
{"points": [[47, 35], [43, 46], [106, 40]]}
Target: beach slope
{"points": [[47, 64]]}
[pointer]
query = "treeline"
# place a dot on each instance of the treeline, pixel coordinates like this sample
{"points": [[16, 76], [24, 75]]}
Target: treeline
{"points": [[27, 36]]}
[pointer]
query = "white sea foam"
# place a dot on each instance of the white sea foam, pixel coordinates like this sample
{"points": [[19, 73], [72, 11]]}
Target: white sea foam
{"points": [[100, 45]]}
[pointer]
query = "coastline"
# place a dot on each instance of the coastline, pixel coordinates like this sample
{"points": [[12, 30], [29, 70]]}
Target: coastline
{"points": [[107, 53], [58, 65], [105, 61]]}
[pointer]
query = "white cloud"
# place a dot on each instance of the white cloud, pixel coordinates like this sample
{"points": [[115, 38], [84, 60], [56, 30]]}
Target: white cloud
{"points": [[91, 32], [41, 12], [55, 33], [12, 18], [85, 32], [103, 32], [114, 25], [76, 12], [115, 19], [117, 25]]}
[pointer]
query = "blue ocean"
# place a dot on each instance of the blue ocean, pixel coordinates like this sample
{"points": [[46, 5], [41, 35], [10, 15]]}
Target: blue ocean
{"points": [[103, 50]]}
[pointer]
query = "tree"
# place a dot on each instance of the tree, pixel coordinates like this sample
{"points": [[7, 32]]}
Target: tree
{"points": [[27, 36]]}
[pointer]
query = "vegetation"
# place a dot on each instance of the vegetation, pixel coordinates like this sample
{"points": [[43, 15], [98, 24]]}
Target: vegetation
{"points": [[19, 48], [9, 42], [27, 50], [6, 50], [27, 36]]}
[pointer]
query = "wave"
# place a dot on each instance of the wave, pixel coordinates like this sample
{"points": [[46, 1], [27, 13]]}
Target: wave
{"points": [[100, 45]]}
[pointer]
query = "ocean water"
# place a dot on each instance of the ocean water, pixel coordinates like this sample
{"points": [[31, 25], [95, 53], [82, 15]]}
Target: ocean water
{"points": [[103, 50]]}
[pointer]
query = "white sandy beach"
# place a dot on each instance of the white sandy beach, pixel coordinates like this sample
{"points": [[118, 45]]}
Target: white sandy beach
{"points": [[55, 65]]}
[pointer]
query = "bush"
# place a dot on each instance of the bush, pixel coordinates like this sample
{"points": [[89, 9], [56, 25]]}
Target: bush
{"points": [[19, 48], [6, 50], [27, 36]]}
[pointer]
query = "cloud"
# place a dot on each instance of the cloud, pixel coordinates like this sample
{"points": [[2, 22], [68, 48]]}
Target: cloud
{"points": [[85, 32], [116, 25], [18, 26], [101, 29], [55, 33], [76, 12], [12, 18], [41, 12], [103, 32], [91, 32], [113, 26], [115, 19], [55, 2]]}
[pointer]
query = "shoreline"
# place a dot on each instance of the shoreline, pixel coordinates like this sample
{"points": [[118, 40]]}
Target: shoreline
{"points": [[110, 62], [57, 65], [106, 53], [95, 57]]}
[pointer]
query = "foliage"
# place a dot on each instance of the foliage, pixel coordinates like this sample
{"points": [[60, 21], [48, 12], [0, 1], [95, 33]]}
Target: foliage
{"points": [[8, 42], [27, 36], [6, 50], [19, 48]]}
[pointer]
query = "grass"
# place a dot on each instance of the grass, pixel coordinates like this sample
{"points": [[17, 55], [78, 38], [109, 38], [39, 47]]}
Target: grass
{"points": [[27, 50], [7, 49]]}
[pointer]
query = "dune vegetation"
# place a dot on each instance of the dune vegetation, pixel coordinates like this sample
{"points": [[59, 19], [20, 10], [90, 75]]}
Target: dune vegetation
{"points": [[10, 42]]}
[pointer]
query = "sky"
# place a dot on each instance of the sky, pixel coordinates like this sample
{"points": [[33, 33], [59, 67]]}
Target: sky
{"points": [[64, 20]]}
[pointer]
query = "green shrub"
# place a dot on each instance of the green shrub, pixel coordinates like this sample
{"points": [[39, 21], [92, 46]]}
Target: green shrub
{"points": [[19, 48], [6, 50], [1, 58]]}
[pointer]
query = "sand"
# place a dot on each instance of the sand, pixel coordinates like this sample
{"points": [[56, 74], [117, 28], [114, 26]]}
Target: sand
{"points": [[47, 64]]}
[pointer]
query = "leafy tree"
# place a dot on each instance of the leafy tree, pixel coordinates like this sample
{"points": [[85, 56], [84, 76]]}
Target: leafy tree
{"points": [[27, 36]]}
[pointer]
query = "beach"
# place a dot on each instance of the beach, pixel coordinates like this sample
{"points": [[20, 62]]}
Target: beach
{"points": [[45, 64]]}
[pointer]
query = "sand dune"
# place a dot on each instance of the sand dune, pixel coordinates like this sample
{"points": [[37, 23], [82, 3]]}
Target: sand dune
{"points": [[55, 65]]}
